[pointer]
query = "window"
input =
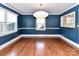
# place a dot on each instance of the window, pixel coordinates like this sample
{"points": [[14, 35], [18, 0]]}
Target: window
{"points": [[2, 21], [11, 21], [40, 24], [68, 20], [40, 20], [8, 22], [0, 28]]}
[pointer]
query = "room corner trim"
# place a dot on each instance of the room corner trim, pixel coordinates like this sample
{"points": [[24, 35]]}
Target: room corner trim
{"points": [[68, 8], [68, 41], [9, 6], [9, 42], [72, 43], [41, 35]]}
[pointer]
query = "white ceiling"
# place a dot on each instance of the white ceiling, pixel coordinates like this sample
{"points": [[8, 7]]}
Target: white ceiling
{"points": [[30, 8]]}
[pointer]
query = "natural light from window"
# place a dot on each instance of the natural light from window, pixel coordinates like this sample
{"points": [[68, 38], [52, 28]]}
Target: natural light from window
{"points": [[40, 20], [8, 22]]}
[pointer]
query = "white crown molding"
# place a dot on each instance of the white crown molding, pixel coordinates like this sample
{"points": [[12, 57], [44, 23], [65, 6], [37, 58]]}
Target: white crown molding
{"points": [[9, 6], [68, 8], [24, 13], [31, 13]]}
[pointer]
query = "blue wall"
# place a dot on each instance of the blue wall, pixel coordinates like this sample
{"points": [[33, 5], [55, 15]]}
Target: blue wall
{"points": [[71, 33], [28, 21], [6, 38], [52, 21]]}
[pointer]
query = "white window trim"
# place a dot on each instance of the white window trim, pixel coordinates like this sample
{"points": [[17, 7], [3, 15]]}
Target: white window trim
{"points": [[43, 28], [16, 28], [73, 12]]}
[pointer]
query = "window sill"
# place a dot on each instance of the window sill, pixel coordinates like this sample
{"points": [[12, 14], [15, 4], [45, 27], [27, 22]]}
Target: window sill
{"points": [[8, 33]]}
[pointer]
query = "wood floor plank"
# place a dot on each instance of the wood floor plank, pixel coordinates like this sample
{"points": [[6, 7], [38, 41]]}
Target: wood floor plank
{"points": [[40, 47]]}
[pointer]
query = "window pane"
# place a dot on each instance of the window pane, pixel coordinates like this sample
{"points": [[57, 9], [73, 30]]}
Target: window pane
{"points": [[2, 21], [40, 24], [40, 21], [11, 17], [8, 22], [11, 21], [2, 15], [10, 26], [0, 28]]}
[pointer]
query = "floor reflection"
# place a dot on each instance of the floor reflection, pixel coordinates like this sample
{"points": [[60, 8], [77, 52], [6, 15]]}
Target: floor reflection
{"points": [[40, 45], [13, 53]]}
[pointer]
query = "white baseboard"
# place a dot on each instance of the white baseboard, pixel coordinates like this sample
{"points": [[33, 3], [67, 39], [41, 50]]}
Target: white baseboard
{"points": [[9, 42], [41, 35], [72, 43]]}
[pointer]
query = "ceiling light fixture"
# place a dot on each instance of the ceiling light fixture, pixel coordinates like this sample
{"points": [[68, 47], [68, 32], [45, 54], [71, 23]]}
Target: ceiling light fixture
{"points": [[40, 14], [41, 4]]}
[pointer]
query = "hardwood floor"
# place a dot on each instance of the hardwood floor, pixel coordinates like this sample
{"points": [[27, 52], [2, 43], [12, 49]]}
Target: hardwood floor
{"points": [[39, 47]]}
